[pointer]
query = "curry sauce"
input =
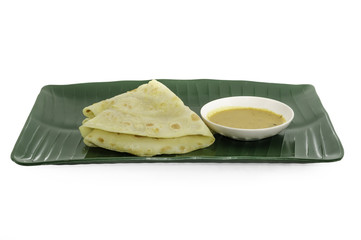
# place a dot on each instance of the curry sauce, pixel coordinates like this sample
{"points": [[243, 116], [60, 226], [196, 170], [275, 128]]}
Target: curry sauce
{"points": [[246, 118]]}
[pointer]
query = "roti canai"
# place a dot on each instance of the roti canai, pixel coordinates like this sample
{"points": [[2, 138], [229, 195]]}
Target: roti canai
{"points": [[146, 121]]}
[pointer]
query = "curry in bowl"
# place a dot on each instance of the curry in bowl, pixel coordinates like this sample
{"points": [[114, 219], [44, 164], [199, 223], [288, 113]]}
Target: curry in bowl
{"points": [[247, 117]]}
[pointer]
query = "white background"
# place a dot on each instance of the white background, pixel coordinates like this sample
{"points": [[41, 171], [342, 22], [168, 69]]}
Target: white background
{"points": [[62, 42]]}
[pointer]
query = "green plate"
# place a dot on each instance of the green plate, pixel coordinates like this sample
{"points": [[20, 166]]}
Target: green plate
{"points": [[51, 136]]}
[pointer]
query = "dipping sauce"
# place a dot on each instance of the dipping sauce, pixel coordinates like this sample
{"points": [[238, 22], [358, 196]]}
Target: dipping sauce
{"points": [[246, 118]]}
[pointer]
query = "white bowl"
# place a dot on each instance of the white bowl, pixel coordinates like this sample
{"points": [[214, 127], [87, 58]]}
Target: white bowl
{"points": [[252, 102]]}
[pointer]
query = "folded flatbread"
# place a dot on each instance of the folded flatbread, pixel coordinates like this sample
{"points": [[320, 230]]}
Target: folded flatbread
{"points": [[146, 121]]}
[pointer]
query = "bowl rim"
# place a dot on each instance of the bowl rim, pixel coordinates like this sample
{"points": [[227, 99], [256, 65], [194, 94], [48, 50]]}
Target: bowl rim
{"points": [[285, 124]]}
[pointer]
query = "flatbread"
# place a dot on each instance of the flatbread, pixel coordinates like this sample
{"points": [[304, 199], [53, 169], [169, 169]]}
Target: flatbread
{"points": [[146, 121]]}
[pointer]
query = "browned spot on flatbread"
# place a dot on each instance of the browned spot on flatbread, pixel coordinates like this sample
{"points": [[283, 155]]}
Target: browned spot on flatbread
{"points": [[100, 139], [127, 105], [149, 124], [194, 117], [175, 126], [182, 148], [163, 149]]}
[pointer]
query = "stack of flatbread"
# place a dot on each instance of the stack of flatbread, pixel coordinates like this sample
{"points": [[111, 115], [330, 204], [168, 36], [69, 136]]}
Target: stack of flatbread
{"points": [[146, 121]]}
